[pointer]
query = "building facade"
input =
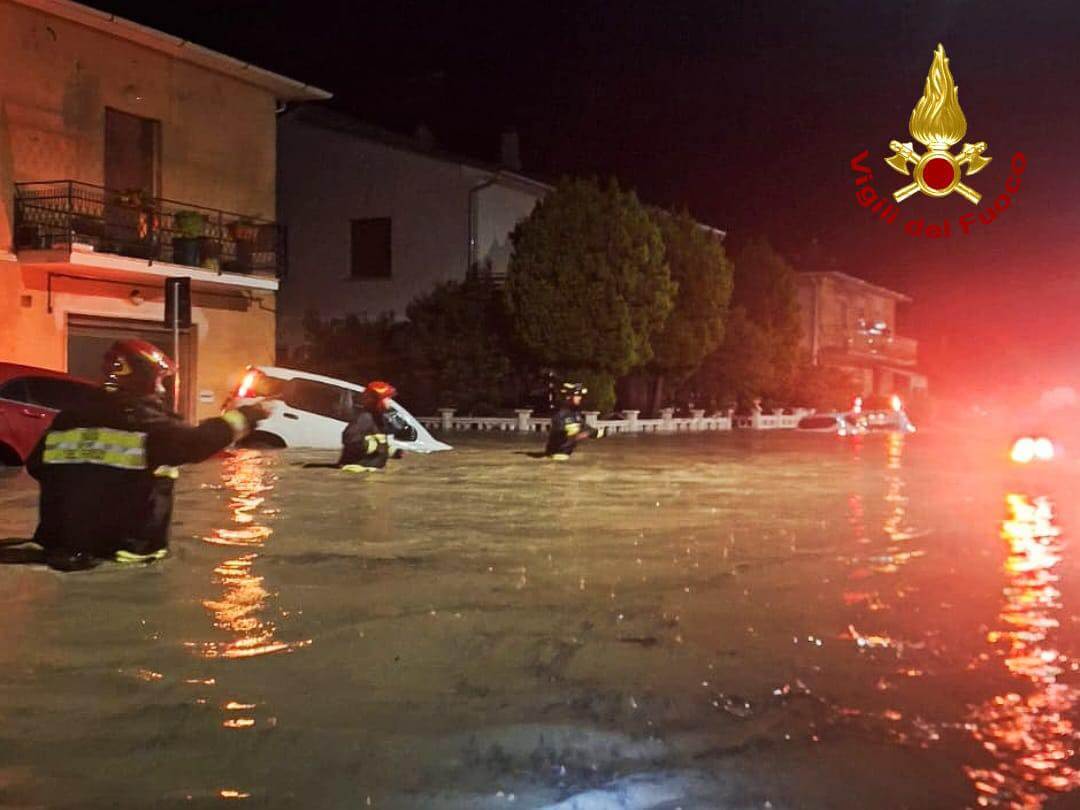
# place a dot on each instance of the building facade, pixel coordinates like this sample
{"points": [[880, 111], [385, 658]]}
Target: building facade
{"points": [[377, 219], [128, 156], [850, 324]]}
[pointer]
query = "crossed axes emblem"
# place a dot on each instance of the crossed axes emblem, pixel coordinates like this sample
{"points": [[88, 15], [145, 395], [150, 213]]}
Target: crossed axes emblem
{"points": [[944, 169]]}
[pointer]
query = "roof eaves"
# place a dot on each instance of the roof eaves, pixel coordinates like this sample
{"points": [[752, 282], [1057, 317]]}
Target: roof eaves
{"points": [[283, 87]]}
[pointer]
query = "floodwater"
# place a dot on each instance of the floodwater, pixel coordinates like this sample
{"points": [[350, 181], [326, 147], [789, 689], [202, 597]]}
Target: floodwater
{"points": [[730, 621]]}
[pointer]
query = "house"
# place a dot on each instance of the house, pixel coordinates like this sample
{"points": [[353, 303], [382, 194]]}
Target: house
{"points": [[850, 324], [376, 219], [128, 157]]}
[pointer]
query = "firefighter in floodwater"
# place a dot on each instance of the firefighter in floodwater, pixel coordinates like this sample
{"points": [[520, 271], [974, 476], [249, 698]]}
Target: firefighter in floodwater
{"points": [[107, 466], [366, 439], [568, 426]]}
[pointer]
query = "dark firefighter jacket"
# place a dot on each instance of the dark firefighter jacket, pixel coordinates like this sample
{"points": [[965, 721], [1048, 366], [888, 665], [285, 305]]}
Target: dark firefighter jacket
{"points": [[107, 469], [365, 440], [568, 427]]}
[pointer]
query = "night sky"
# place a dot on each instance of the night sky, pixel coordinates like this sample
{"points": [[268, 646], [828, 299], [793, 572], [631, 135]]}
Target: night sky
{"points": [[748, 114]]}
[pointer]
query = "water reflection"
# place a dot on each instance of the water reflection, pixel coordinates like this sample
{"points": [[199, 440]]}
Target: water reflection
{"points": [[1030, 737], [241, 611], [898, 534], [898, 552]]}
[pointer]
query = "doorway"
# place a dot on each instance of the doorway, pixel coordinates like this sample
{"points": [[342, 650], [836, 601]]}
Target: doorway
{"points": [[89, 338], [132, 180]]}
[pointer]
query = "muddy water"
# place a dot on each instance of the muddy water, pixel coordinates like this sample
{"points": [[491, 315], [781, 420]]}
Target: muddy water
{"points": [[730, 622]]}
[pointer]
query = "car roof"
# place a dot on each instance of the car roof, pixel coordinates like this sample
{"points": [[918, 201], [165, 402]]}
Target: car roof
{"points": [[9, 371], [279, 373]]}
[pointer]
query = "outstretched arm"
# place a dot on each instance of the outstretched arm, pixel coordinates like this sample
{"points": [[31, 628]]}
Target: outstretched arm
{"points": [[173, 443]]}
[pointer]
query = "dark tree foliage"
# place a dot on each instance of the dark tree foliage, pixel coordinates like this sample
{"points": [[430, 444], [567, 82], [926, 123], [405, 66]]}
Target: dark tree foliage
{"points": [[695, 327], [459, 340], [760, 351], [588, 286], [350, 348], [825, 388]]}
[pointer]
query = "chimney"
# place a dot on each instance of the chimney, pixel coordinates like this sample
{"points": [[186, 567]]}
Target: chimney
{"points": [[510, 151]]}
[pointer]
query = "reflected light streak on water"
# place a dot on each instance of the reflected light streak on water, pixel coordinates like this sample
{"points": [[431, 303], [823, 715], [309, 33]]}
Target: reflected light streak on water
{"points": [[243, 605], [1030, 736]]}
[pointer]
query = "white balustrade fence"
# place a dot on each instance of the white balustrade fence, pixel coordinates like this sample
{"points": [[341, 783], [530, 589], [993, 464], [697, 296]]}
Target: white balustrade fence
{"points": [[524, 422]]}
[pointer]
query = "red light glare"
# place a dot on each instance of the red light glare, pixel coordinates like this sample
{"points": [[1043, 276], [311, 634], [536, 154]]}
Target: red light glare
{"points": [[1023, 450], [247, 384], [1044, 449], [1030, 448]]}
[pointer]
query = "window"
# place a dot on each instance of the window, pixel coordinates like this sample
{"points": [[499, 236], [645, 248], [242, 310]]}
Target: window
{"points": [[15, 390], [396, 425], [132, 149], [371, 248], [319, 398], [52, 392]]}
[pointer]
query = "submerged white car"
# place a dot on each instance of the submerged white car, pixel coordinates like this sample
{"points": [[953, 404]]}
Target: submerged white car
{"points": [[841, 423], [309, 410]]}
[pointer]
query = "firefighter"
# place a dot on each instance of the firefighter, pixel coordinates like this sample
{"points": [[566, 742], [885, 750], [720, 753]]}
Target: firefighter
{"points": [[568, 425], [107, 466], [365, 440]]}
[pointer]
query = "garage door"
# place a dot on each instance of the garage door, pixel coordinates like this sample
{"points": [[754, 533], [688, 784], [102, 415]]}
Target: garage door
{"points": [[89, 339]]}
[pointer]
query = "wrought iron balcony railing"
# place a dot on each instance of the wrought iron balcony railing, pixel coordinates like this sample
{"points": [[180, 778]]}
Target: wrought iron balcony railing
{"points": [[887, 347], [70, 215]]}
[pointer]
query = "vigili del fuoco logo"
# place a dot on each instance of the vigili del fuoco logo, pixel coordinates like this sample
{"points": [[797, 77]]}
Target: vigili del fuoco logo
{"points": [[938, 123]]}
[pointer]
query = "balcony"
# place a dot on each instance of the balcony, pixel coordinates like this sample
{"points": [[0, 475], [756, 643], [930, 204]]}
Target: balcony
{"points": [[84, 222], [860, 347]]}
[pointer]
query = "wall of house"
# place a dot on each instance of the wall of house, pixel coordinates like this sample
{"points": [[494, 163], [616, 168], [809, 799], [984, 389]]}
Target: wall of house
{"points": [[840, 305], [233, 329], [217, 149], [437, 207], [217, 133], [329, 178], [498, 208], [844, 304]]}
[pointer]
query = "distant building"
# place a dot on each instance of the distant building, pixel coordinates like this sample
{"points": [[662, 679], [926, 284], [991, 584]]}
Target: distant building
{"points": [[376, 219], [850, 324], [129, 156]]}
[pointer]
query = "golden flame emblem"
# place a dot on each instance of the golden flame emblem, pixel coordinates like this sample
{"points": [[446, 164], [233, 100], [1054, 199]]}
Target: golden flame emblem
{"points": [[938, 123]]}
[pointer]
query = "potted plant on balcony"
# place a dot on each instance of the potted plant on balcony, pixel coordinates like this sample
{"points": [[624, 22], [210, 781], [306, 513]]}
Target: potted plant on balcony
{"points": [[244, 232], [139, 227], [189, 227]]}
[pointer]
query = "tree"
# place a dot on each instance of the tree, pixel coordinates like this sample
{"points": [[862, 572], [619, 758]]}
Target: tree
{"points": [[741, 370], [765, 288], [350, 348], [759, 353], [457, 338], [695, 327], [588, 286], [825, 388]]}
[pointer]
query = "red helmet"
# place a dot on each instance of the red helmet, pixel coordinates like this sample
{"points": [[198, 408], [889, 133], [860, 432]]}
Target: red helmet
{"points": [[376, 393], [137, 366]]}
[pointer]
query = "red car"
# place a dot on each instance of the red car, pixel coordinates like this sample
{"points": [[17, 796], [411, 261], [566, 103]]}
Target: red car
{"points": [[29, 400]]}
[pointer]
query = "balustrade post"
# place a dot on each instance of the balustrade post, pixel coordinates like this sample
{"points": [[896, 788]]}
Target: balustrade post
{"points": [[667, 420], [447, 416], [524, 415], [697, 414], [632, 425]]}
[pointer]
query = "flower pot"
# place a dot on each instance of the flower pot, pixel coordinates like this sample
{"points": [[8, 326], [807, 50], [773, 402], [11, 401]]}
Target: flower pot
{"points": [[186, 251]]}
